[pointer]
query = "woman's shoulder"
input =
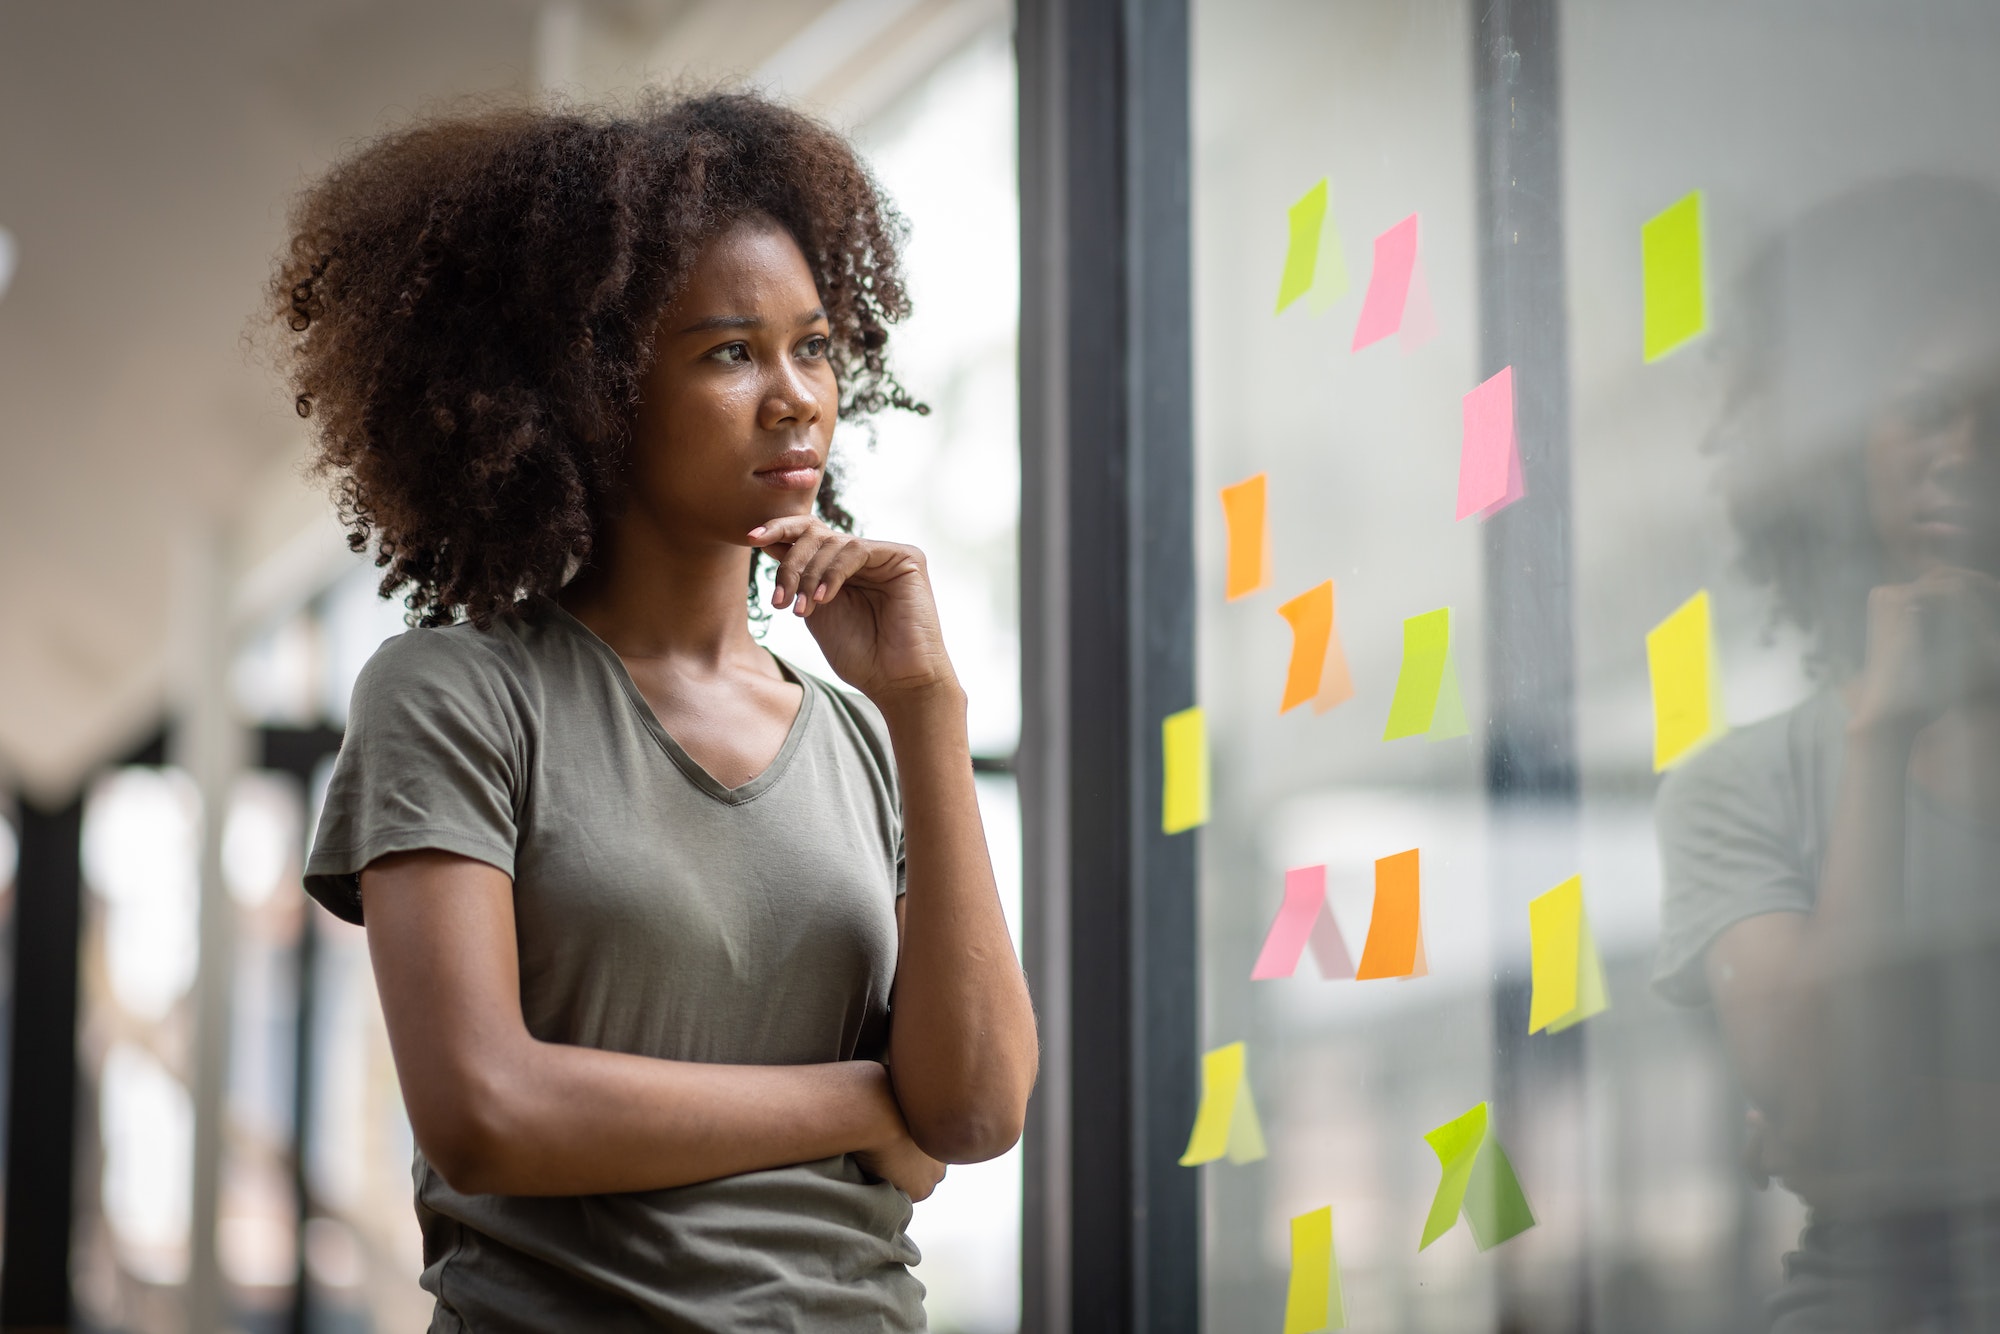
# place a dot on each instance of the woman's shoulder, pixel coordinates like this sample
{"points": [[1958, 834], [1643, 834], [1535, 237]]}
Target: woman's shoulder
{"points": [[1762, 763], [460, 660]]}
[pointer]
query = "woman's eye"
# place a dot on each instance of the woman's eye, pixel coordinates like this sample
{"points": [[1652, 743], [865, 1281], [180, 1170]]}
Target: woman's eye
{"points": [[816, 346], [734, 354]]}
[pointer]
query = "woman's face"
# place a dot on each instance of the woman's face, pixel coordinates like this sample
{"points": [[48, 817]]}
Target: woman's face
{"points": [[737, 413], [1934, 461]]}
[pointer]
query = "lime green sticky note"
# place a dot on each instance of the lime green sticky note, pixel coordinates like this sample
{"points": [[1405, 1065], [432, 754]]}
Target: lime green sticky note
{"points": [[1305, 219], [1687, 699], [1564, 966], [1672, 253], [1226, 1124], [1330, 281], [1426, 647], [1448, 719], [1313, 1300], [1456, 1143], [1478, 1178], [1184, 740]]}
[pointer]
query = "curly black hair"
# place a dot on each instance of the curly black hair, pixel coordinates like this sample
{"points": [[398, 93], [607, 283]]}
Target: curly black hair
{"points": [[467, 305], [1825, 318]]}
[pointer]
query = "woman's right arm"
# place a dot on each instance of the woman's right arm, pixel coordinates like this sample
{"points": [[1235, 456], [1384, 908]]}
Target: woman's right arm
{"points": [[497, 1111]]}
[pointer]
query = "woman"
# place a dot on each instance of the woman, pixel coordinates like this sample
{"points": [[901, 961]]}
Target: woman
{"points": [[634, 888], [1833, 873]]}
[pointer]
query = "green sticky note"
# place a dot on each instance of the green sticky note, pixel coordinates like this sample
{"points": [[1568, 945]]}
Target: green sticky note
{"points": [[1673, 255], [1496, 1209], [1478, 1178], [1426, 650], [1456, 1144], [1448, 719], [1184, 741], [1302, 254]]}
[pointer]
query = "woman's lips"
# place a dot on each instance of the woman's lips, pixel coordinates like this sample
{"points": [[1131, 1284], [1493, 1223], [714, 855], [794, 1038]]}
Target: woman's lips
{"points": [[790, 479]]}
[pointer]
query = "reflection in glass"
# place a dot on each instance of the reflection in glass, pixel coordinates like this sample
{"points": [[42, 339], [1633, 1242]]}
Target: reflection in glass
{"points": [[1830, 873]]}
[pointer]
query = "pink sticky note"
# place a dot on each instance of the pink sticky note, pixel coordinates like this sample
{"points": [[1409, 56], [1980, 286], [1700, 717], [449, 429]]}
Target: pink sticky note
{"points": [[1420, 321], [1489, 454], [1388, 283], [1305, 896], [1329, 947], [1516, 486]]}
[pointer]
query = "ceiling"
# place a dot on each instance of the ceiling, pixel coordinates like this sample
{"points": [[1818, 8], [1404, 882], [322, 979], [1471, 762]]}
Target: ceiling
{"points": [[147, 152]]}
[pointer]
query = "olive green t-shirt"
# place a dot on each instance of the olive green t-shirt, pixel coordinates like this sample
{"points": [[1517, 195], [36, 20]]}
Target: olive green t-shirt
{"points": [[658, 913]]}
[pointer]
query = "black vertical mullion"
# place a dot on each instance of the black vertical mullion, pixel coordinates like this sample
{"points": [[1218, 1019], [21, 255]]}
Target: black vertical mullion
{"points": [[1112, 1221], [42, 1084], [1532, 780]]}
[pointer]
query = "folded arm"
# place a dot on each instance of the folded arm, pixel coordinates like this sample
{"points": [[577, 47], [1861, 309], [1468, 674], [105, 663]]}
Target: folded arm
{"points": [[497, 1111]]}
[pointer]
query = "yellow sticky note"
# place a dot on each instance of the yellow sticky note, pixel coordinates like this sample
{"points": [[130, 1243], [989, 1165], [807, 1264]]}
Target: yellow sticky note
{"points": [[1568, 975], [1313, 1301], [1225, 1125], [1249, 537], [1305, 220], [1671, 250], [1318, 670], [1427, 700], [1184, 746], [1687, 700], [1477, 1177]]}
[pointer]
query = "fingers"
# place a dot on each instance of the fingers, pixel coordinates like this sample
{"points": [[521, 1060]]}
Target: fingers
{"points": [[814, 561]]}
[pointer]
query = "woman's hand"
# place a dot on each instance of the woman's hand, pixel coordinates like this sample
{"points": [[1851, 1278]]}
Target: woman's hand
{"points": [[1932, 643], [868, 604], [903, 1165]]}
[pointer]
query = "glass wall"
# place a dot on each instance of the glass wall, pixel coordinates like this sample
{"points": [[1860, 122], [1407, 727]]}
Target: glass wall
{"points": [[1775, 278]]}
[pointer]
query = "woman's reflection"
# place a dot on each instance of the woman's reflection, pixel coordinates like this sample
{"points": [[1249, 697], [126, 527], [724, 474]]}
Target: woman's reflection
{"points": [[1833, 873]]}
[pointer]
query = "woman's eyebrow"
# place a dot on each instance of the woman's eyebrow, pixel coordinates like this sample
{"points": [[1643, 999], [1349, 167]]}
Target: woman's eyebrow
{"points": [[715, 322]]}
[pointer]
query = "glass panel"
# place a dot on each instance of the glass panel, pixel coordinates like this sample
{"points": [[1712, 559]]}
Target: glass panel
{"points": [[1784, 391]]}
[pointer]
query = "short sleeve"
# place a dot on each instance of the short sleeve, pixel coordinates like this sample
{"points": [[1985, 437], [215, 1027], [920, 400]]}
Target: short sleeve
{"points": [[1730, 849], [872, 730], [430, 760]]}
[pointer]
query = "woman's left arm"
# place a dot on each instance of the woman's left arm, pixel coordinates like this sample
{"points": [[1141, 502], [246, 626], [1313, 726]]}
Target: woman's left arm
{"points": [[962, 1046]]}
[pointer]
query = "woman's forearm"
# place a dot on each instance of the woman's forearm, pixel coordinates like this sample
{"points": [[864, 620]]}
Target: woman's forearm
{"points": [[962, 1047], [548, 1119]]}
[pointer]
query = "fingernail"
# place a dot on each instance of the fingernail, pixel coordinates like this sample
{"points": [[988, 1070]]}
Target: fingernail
{"points": [[820, 594], [756, 532]]}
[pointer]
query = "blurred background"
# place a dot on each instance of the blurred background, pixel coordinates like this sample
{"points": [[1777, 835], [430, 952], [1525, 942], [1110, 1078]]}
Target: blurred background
{"points": [[185, 622]]}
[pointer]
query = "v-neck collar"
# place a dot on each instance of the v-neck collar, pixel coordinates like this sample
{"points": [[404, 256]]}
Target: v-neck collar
{"points": [[688, 765]]}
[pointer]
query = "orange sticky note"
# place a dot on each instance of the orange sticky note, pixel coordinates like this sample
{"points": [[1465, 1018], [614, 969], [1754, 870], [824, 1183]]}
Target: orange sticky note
{"points": [[1318, 670], [1249, 536], [1395, 945]]}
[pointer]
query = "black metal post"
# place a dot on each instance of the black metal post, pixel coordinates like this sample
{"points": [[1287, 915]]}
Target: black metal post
{"points": [[1112, 1222], [42, 1085]]}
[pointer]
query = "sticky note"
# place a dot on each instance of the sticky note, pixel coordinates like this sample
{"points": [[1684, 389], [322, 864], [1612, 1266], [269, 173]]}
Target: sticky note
{"points": [[1313, 1301], [1563, 964], [1304, 917], [1249, 536], [1318, 670], [1420, 323], [1427, 699], [1395, 944], [1671, 250], [1184, 748], [1489, 459], [1305, 219], [1478, 1179], [1225, 1125], [1687, 699], [1388, 284]]}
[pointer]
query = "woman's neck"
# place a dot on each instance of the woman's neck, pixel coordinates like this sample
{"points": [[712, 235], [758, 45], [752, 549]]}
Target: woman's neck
{"points": [[651, 598]]}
